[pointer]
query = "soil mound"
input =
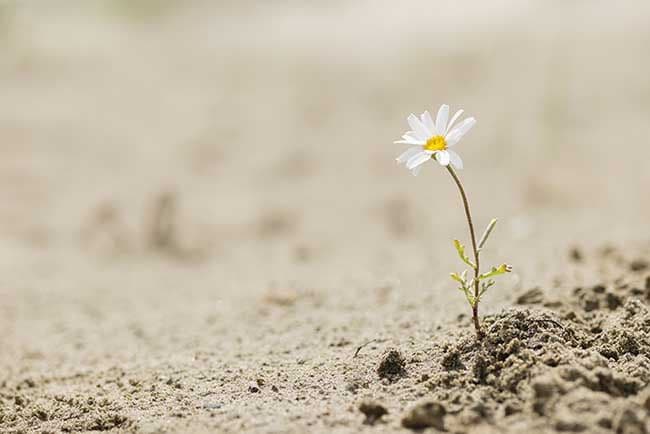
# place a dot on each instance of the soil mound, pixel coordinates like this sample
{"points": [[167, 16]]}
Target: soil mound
{"points": [[580, 365]]}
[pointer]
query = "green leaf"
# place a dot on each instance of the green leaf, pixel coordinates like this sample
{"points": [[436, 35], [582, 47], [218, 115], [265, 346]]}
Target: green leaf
{"points": [[457, 278], [470, 298], [487, 233], [464, 287], [495, 271], [461, 253], [485, 286]]}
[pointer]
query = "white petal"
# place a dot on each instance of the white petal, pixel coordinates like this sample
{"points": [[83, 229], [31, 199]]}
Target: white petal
{"points": [[441, 120], [457, 133], [427, 121], [454, 119], [410, 138], [465, 126], [417, 170], [410, 141], [410, 134], [418, 128], [442, 157], [404, 156], [455, 159], [418, 159]]}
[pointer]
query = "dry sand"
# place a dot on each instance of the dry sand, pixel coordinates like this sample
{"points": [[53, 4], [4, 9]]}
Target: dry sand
{"points": [[203, 220]]}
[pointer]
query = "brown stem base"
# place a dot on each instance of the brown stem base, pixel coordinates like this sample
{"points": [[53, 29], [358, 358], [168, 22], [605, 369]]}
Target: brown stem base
{"points": [[477, 324]]}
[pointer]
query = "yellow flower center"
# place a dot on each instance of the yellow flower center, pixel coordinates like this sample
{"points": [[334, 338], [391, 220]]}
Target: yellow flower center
{"points": [[436, 143]]}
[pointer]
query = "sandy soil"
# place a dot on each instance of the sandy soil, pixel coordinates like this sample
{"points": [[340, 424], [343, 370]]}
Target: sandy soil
{"points": [[203, 220]]}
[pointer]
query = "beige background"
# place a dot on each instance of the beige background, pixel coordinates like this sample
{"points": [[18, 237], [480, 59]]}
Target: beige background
{"points": [[270, 125]]}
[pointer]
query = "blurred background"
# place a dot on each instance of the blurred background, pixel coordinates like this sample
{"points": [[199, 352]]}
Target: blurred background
{"points": [[181, 175]]}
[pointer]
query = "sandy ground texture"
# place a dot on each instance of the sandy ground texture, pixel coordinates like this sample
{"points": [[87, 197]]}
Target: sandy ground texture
{"points": [[203, 220]]}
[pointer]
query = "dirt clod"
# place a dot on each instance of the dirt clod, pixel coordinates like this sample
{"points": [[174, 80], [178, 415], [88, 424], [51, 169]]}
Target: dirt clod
{"points": [[452, 361], [373, 412], [532, 296], [392, 365], [639, 265], [576, 254], [425, 415]]}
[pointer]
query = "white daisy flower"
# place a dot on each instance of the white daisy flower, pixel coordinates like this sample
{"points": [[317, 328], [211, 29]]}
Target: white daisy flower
{"points": [[432, 140]]}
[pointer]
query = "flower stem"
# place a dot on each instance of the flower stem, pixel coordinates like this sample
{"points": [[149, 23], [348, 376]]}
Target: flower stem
{"points": [[477, 325]]}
